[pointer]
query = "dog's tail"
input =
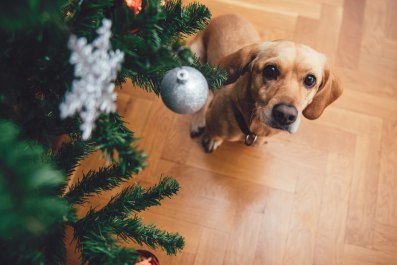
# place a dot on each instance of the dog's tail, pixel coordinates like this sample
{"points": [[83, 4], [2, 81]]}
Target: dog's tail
{"points": [[197, 47]]}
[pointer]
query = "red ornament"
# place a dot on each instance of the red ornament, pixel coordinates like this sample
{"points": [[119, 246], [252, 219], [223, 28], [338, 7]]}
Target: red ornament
{"points": [[134, 30], [147, 258], [135, 5]]}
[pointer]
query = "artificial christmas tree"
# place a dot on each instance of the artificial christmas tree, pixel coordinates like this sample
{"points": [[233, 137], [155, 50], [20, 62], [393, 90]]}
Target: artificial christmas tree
{"points": [[36, 77]]}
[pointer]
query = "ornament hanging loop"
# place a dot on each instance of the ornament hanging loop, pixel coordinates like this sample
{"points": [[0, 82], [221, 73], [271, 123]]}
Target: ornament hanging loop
{"points": [[182, 76]]}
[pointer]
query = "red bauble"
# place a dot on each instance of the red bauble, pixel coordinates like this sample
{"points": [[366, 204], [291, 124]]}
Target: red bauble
{"points": [[135, 5], [147, 258]]}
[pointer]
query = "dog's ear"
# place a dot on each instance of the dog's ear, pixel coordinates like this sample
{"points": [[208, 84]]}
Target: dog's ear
{"points": [[239, 62], [329, 91]]}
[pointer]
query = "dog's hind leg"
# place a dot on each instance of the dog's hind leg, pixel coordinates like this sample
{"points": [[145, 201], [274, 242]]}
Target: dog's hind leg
{"points": [[197, 126]]}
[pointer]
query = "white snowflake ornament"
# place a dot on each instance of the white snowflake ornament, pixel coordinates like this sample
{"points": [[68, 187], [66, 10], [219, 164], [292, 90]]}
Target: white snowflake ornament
{"points": [[96, 66]]}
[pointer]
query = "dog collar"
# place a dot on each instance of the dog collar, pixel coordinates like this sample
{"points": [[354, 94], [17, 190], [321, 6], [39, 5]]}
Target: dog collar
{"points": [[244, 128]]}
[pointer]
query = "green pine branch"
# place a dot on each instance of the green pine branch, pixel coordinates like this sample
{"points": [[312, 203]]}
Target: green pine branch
{"points": [[215, 75], [102, 249], [69, 155], [18, 250], [104, 179], [116, 216], [111, 136], [137, 199], [128, 228], [53, 246], [183, 21]]}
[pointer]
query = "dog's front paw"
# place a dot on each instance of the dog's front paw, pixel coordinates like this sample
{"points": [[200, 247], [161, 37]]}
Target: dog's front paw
{"points": [[209, 143], [196, 132]]}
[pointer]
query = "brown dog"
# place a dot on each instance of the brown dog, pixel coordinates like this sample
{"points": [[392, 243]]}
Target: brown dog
{"points": [[269, 86]]}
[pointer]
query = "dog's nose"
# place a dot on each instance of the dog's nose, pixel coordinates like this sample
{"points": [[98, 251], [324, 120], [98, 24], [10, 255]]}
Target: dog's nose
{"points": [[284, 114]]}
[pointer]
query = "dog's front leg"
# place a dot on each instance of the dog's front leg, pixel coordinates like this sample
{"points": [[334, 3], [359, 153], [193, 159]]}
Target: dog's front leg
{"points": [[210, 144], [197, 126]]}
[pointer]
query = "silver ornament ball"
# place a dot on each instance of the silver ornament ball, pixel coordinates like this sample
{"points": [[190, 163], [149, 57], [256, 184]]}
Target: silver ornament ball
{"points": [[184, 90]]}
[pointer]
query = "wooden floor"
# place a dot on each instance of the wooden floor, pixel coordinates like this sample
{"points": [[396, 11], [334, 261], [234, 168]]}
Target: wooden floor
{"points": [[326, 195]]}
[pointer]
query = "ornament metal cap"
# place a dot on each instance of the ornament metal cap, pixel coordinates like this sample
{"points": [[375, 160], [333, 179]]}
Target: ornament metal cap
{"points": [[182, 76]]}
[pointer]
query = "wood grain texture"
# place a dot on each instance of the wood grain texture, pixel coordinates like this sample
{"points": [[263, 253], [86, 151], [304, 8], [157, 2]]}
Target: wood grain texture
{"points": [[328, 31], [243, 238], [208, 213], [306, 31], [155, 131], [385, 239], [304, 219], [374, 106], [324, 138], [366, 82], [228, 161], [212, 247], [206, 184], [334, 205], [274, 228], [351, 122], [391, 20], [386, 212], [178, 141], [354, 255], [348, 53], [137, 112], [363, 193], [390, 49], [374, 27], [302, 8], [379, 66]]}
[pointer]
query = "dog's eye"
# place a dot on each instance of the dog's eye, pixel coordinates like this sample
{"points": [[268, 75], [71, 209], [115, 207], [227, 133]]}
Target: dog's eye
{"points": [[270, 72], [310, 81]]}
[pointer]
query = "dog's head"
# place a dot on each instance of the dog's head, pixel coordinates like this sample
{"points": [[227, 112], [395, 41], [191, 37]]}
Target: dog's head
{"points": [[286, 80]]}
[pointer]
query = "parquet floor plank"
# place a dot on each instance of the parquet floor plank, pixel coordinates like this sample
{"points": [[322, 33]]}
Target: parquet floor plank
{"points": [[363, 193], [390, 49], [354, 255], [155, 134], [201, 211], [243, 238], [228, 161], [374, 27], [178, 142], [302, 8], [323, 138], [212, 247], [348, 52], [334, 205], [328, 31], [306, 31], [274, 228], [379, 66], [304, 219], [391, 20], [206, 184], [385, 239], [351, 122], [374, 106], [386, 212], [366, 82]]}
